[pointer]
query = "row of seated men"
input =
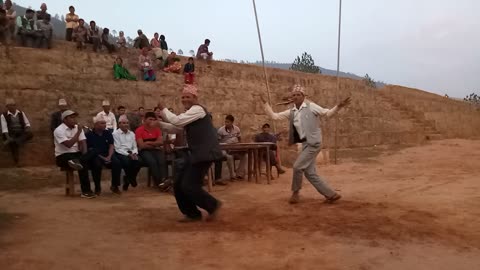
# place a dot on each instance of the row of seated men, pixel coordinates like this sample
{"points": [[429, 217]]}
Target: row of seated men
{"points": [[111, 143]]}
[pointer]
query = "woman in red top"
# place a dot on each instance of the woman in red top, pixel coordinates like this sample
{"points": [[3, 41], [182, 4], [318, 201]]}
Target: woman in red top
{"points": [[150, 144]]}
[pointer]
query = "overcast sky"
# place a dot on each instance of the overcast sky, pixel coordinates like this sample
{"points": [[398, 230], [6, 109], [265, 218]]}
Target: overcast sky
{"points": [[433, 45]]}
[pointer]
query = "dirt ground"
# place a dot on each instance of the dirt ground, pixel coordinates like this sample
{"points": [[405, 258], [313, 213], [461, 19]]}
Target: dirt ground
{"points": [[417, 208]]}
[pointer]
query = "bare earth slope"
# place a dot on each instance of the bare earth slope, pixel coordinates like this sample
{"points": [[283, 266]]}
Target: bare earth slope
{"points": [[415, 209]]}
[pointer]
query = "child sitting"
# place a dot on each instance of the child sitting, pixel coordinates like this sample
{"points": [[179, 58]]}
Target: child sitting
{"points": [[189, 70]]}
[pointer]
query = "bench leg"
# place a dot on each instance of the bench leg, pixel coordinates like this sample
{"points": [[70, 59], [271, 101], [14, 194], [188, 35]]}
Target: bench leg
{"points": [[210, 179], [149, 181], [70, 184]]}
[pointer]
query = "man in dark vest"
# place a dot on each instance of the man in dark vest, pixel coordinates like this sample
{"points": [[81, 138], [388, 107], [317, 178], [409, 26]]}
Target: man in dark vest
{"points": [[203, 150], [305, 129], [15, 129], [56, 117], [28, 34]]}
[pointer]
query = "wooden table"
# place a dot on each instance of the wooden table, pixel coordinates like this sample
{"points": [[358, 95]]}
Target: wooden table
{"points": [[254, 151]]}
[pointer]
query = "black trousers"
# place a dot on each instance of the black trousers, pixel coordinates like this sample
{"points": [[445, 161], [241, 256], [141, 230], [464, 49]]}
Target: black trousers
{"points": [[19, 138], [62, 162], [189, 192], [218, 169], [96, 164], [68, 34], [130, 166], [155, 161]]}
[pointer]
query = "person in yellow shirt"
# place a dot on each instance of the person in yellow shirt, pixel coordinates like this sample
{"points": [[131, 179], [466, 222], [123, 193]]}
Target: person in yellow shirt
{"points": [[71, 23]]}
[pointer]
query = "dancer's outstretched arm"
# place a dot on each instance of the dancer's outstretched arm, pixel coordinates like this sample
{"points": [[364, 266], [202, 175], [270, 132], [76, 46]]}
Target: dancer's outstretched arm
{"points": [[273, 115]]}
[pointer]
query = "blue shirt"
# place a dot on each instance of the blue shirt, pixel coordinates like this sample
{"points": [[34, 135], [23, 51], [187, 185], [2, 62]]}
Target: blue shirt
{"points": [[100, 143]]}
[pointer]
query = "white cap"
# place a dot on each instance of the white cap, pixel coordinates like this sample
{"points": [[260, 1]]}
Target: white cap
{"points": [[106, 103], [68, 113], [123, 118], [9, 101], [62, 102]]}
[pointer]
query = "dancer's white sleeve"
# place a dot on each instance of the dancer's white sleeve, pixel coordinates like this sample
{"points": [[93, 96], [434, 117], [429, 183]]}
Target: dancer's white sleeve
{"points": [[276, 116]]}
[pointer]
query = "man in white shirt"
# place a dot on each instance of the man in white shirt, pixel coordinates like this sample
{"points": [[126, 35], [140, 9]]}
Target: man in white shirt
{"points": [[305, 129], [230, 133], [108, 116], [126, 152], [15, 129], [71, 148], [203, 148]]}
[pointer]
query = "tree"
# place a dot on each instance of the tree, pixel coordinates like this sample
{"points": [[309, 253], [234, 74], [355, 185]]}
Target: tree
{"points": [[369, 81], [114, 33], [305, 64], [473, 98], [62, 18], [192, 52], [129, 41], [180, 52]]}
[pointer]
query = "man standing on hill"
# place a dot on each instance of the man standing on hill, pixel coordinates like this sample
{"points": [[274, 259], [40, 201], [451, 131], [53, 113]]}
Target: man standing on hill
{"points": [[15, 129], [305, 129], [203, 150], [108, 116], [56, 117]]}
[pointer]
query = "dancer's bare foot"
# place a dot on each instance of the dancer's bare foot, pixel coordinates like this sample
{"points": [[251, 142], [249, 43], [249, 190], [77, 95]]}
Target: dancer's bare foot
{"points": [[334, 198], [214, 214], [295, 198]]}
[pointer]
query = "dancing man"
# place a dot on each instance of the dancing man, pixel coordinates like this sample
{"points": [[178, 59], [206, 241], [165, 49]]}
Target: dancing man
{"points": [[203, 150], [304, 128]]}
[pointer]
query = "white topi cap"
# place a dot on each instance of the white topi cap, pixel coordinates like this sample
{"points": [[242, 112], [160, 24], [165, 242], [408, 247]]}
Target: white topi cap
{"points": [[62, 102], [98, 118], [105, 103]]}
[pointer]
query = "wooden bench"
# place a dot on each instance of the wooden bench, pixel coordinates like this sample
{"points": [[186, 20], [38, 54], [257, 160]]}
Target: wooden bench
{"points": [[69, 181]]}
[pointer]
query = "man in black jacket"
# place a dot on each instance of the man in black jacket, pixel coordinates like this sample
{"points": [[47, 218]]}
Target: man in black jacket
{"points": [[203, 150]]}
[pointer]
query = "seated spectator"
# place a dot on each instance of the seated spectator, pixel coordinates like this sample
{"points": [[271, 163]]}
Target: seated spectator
{"points": [[126, 152], [70, 150], [42, 13], [106, 40], [227, 134], [80, 34], [71, 20], [15, 129], [141, 41], [120, 72], [146, 67], [173, 64], [189, 71], [108, 116], [155, 43], [164, 47], [122, 42], [56, 117], [203, 53], [4, 29], [46, 29], [150, 143], [93, 35], [266, 136], [12, 18], [27, 30], [100, 153], [121, 110]]}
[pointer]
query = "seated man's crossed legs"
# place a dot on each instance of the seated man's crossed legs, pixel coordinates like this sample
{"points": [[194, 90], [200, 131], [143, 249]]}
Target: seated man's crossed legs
{"points": [[130, 166], [155, 161]]}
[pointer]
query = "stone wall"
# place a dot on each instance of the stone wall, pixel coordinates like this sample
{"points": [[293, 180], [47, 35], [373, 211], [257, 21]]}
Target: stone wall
{"points": [[38, 78]]}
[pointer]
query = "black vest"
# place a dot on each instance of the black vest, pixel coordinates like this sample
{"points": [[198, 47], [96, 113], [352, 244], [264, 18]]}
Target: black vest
{"points": [[202, 140], [8, 118]]}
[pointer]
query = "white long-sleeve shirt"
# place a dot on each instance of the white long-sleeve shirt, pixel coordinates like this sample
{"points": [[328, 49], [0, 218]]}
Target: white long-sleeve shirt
{"points": [[191, 115], [3, 121], [109, 119], [124, 142], [297, 120]]}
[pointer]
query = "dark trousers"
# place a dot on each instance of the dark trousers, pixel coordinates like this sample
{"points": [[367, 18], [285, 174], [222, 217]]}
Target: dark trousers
{"points": [[18, 139], [218, 169], [189, 192], [96, 43], [29, 38], [271, 156], [130, 166], [68, 34], [96, 165], [62, 162], [155, 160], [110, 47]]}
